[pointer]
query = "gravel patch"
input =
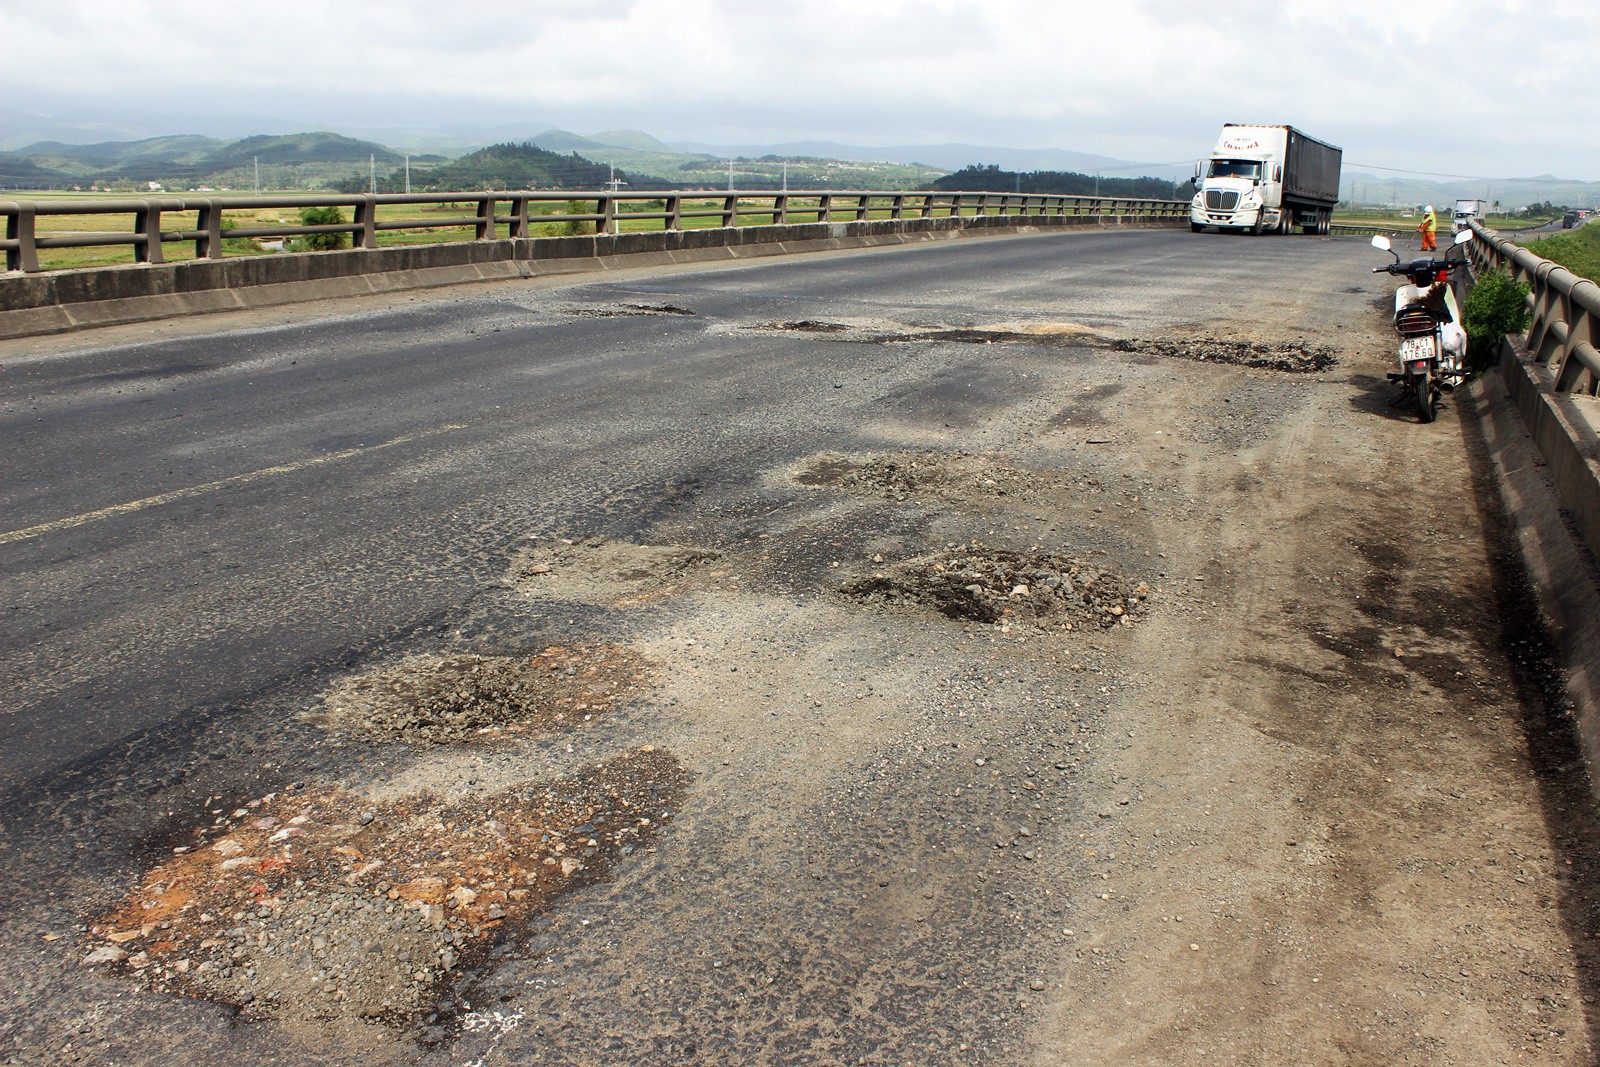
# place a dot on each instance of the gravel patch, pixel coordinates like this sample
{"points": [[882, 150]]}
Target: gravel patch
{"points": [[1290, 357], [453, 699], [999, 586]]}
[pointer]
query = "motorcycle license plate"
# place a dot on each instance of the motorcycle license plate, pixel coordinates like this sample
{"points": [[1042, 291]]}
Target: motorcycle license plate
{"points": [[1416, 348]]}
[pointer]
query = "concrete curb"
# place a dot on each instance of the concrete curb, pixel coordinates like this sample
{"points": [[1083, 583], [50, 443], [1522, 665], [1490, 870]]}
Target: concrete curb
{"points": [[1564, 429], [1562, 568], [62, 301]]}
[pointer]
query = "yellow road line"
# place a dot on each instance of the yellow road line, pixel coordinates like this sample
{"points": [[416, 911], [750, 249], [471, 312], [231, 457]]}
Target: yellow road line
{"points": [[199, 490]]}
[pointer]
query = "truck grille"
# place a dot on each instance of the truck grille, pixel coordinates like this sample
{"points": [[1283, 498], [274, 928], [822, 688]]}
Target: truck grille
{"points": [[1217, 200]]}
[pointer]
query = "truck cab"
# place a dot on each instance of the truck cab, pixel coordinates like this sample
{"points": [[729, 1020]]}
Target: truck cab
{"points": [[1464, 212]]}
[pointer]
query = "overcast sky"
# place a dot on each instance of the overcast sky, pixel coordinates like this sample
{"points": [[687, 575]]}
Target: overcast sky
{"points": [[1469, 87]]}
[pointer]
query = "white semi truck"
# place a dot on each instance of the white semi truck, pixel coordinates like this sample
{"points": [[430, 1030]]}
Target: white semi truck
{"points": [[1464, 212], [1266, 179]]}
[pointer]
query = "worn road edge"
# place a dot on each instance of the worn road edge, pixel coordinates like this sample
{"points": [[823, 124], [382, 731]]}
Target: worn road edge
{"points": [[1562, 568], [62, 301]]}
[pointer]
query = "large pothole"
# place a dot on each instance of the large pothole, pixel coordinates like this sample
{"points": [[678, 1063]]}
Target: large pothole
{"points": [[1293, 357], [440, 699], [328, 905], [901, 474], [997, 585], [625, 311], [885, 332], [618, 573]]}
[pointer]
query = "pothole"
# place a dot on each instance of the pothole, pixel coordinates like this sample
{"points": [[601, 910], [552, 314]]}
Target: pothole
{"points": [[439, 699], [901, 474], [618, 573], [327, 906], [1049, 333], [626, 311], [1292, 357], [1001, 586]]}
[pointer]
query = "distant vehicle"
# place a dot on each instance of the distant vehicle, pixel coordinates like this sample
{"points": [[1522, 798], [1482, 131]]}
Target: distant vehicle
{"points": [[1266, 179], [1408, 214], [1464, 212], [1569, 220]]}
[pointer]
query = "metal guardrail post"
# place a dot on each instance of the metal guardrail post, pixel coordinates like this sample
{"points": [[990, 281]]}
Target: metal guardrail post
{"points": [[927, 206], [898, 211], [20, 228], [674, 212], [483, 228], [208, 230], [606, 208], [780, 209], [519, 218], [863, 202], [366, 222], [147, 222], [730, 211], [825, 208]]}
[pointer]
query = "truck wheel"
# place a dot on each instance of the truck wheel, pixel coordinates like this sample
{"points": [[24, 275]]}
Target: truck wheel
{"points": [[1195, 227]]}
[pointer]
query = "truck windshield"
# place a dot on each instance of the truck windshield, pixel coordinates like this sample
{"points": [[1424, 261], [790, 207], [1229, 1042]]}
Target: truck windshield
{"points": [[1235, 168]]}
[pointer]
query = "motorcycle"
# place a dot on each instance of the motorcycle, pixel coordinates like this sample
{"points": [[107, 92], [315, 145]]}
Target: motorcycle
{"points": [[1433, 344]]}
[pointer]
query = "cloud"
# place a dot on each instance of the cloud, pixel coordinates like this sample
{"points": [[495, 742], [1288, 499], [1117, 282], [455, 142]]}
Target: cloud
{"points": [[1463, 86]]}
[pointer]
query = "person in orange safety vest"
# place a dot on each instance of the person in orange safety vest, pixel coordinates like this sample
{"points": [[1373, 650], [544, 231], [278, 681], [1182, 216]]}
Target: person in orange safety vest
{"points": [[1428, 227]]}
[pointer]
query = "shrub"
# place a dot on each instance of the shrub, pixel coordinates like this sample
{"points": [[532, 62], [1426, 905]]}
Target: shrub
{"points": [[576, 207], [321, 242], [1497, 306]]}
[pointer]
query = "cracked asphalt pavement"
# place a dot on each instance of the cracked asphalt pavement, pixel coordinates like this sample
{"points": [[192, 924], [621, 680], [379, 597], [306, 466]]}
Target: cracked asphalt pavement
{"points": [[1199, 712]]}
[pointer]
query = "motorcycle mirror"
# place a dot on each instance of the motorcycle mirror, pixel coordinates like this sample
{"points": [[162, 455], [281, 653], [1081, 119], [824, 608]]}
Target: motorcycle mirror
{"points": [[1380, 241], [1463, 237]]}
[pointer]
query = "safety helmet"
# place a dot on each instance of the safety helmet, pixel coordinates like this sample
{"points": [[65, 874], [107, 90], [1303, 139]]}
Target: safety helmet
{"points": [[1430, 209]]}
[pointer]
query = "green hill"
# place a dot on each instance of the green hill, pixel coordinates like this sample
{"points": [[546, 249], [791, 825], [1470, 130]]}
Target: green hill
{"points": [[296, 148], [20, 171], [637, 140], [184, 148], [563, 141], [499, 166]]}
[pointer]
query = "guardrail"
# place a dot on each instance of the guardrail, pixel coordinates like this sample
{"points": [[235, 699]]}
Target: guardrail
{"points": [[519, 212], [1566, 310]]}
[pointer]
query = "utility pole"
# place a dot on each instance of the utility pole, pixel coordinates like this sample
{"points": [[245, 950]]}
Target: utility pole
{"points": [[372, 172], [730, 163], [408, 172], [257, 161], [786, 175], [1096, 183]]}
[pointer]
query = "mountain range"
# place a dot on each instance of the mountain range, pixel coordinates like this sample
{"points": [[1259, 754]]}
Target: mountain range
{"points": [[36, 149]]}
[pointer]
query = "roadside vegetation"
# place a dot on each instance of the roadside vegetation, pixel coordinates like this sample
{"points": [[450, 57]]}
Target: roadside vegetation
{"points": [[1577, 250], [1496, 308]]}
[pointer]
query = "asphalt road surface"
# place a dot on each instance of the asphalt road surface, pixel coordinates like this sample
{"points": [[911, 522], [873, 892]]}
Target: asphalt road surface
{"points": [[1278, 772]]}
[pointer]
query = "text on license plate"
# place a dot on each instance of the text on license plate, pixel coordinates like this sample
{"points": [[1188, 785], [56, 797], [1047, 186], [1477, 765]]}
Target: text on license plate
{"points": [[1416, 348]]}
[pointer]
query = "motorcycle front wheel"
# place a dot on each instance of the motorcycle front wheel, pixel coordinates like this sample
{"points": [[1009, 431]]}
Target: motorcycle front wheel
{"points": [[1423, 384]]}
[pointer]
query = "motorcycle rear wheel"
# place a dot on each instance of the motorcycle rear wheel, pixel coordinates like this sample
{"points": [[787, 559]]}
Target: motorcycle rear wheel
{"points": [[1423, 384]]}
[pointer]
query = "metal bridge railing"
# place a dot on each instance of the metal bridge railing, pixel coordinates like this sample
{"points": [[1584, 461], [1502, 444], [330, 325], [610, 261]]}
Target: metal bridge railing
{"points": [[1566, 310], [519, 212]]}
